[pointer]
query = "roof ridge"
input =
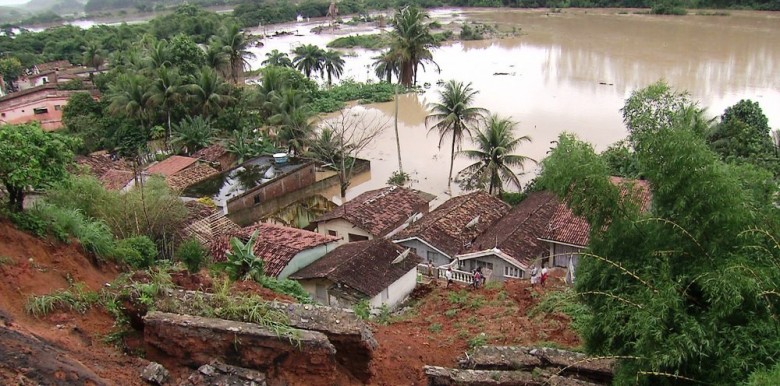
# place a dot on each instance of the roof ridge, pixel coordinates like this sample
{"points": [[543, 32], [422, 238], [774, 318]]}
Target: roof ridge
{"points": [[450, 210]]}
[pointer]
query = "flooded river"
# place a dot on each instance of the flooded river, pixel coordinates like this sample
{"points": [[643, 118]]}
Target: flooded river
{"points": [[570, 72]]}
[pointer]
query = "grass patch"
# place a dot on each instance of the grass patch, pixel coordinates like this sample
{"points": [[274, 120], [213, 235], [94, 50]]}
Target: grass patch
{"points": [[435, 328], [451, 312], [565, 302], [458, 298], [76, 298], [370, 42], [477, 341], [5, 260]]}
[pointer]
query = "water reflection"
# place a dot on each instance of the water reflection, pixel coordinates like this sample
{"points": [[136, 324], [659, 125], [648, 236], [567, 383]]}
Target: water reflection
{"points": [[570, 72]]}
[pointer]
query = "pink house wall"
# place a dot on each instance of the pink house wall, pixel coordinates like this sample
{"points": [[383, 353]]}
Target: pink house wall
{"points": [[21, 107]]}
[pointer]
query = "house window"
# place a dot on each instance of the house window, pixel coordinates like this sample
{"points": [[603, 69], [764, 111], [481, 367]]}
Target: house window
{"points": [[257, 199], [2, 115], [484, 264], [431, 255], [333, 233], [514, 272], [57, 107], [353, 238], [40, 110]]}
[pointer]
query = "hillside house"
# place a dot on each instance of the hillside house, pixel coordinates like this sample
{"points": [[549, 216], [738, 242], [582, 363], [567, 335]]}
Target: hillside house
{"points": [[284, 250], [452, 228], [43, 104], [376, 270], [217, 156], [113, 174], [375, 214], [181, 172]]}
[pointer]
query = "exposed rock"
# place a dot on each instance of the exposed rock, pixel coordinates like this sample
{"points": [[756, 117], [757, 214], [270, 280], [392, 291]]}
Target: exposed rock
{"points": [[500, 358], [218, 373], [571, 363], [155, 373], [196, 341], [441, 376], [38, 361], [351, 337]]}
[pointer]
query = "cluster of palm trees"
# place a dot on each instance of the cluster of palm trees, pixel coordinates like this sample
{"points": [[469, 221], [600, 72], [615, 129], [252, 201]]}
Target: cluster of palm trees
{"points": [[410, 47], [455, 116], [309, 58]]}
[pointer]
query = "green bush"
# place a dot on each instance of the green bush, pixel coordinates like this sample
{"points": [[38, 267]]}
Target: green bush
{"points": [[287, 287], [29, 222], [130, 256], [145, 247], [192, 254], [363, 309], [371, 42], [767, 377]]}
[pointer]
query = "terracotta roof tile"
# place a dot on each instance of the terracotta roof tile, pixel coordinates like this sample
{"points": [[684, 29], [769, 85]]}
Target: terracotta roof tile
{"points": [[381, 211], [190, 176], [516, 234], [211, 153], [99, 163], [446, 227], [275, 244], [565, 227], [116, 179], [171, 165], [365, 266], [206, 224], [56, 65]]}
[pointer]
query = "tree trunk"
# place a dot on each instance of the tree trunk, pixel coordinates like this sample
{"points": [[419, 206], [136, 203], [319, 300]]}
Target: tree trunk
{"points": [[407, 73], [16, 198], [397, 137], [168, 134], [452, 162], [389, 77]]}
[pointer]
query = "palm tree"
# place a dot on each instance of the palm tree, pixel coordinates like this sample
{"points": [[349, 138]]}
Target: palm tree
{"points": [[166, 92], [217, 59], [194, 133], [277, 58], [332, 64], [493, 157], [158, 55], [94, 55], [308, 58], [386, 65], [292, 116], [454, 115], [209, 92], [235, 44], [129, 96], [411, 43]]}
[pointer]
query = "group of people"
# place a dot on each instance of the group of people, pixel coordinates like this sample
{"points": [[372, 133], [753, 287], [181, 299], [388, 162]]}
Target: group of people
{"points": [[538, 279]]}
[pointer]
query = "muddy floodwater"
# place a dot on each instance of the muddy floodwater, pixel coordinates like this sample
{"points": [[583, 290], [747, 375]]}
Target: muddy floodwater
{"points": [[567, 71]]}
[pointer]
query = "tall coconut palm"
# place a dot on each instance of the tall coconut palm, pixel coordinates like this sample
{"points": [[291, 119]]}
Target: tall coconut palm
{"points": [[454, 115], [308, 58], [494, 158], [411, 43], [193, 134], [291, 115], [277, 58], [209, 92], [386, 65], [129, 96], [235, 44], [332, 64], [217, 59], [167, 91], [158, 54], [94, 55]]}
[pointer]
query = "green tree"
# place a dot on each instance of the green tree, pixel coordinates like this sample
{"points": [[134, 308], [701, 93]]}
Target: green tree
{"points": [[411, 42], [743, 135], [193, 134], [235, 44], [683, 291], [130, 97], [332, 64], [493, 158], [454, 115], [94, 55], [654, 107], [308, 58], [10, 69], [167, 91], [158, 54], [277, 58], [186, 55], [209, 92], [31, 158], [386, 65]]}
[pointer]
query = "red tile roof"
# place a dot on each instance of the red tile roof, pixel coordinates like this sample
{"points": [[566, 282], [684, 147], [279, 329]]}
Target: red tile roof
{"points": [[446, 229], [211, 153], [205, 223], [565, 227], [366, 266], [99, 163], [56, 65], [516, 234], [275, 244], [381, 211], [116, 179], [171, 165], [190, 176]]}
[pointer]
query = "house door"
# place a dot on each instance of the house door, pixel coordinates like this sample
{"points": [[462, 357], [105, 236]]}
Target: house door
{"points": [[321, 294]]}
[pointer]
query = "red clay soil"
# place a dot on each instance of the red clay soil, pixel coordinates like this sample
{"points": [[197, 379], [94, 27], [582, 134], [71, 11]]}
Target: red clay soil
{"points": [[31, 266], [439, 326]]}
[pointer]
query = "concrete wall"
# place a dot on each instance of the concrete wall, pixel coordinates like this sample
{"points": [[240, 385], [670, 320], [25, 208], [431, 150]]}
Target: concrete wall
{"points": [[561, 253], [426, 252], [21, 109], [306, 257], [496, 264], [343, 229], [290, 182], [397, 291], [248, 214]]}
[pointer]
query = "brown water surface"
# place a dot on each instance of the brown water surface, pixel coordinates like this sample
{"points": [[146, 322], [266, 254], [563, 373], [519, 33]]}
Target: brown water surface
{"points": [[567, 72]]}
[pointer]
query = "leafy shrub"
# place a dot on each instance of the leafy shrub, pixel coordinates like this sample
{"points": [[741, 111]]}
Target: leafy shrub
{"points": [[767, 377], [77, 298], [287, 287], [384, 314], [96, 238], [192, 254], [29, 222], [565, 302], [398, 178], [371, 42], [363, 309], [435, 328], [477, 341], [145, 247], [130, 256]]}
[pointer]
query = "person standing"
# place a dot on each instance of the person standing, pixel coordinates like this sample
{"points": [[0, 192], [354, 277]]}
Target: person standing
{"points": [[544, 275], [448, 275], [534, 276], [476, 278]]}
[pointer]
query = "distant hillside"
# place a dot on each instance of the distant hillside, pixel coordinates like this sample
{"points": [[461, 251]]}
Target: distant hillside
{"points": [[60, 7], [11, 15]]}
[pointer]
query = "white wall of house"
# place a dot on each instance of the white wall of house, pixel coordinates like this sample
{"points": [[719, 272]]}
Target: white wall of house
{"points": [[341, 228], [561, 253], [396, 292], [306, 257], [427, 252], [318, 289]]}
